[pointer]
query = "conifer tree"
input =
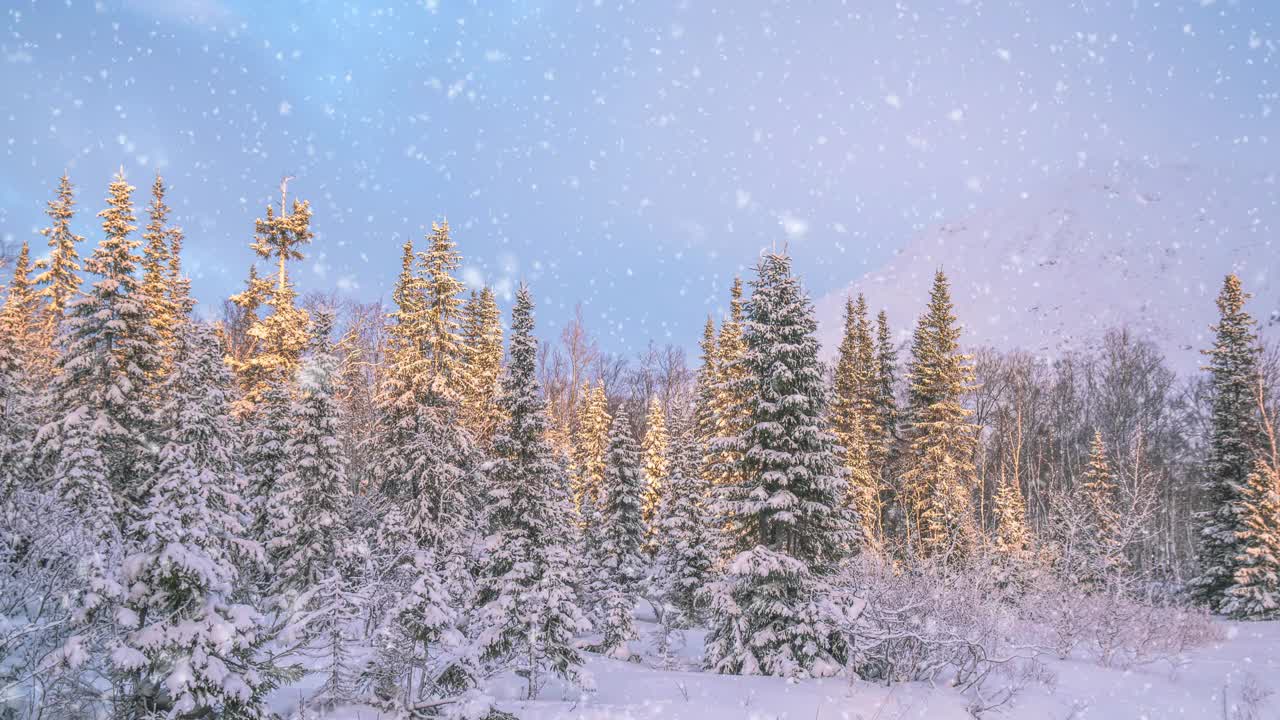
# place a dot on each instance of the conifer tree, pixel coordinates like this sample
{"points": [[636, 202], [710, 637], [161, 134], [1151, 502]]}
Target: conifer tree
{"points": [[316, 493], [316, 562], [267, 462], [1103, 553], [187, 648], [442, 313], [60, 284], [526, 581], [654, 449], [404, 388], [940, 476], [886, 404], [1234, 438], [103, 398], [1254, 593], [619, 559], [280, 338], [853, 417], [157, 267], [731, 394], [684, 559], [22, 371], [790, 521], [1012, 543], [590, 448], [482, 358]]}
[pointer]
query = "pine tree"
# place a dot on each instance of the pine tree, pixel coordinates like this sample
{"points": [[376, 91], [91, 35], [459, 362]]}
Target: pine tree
{"points": [[103, 398], [940, 476], [1254, 593], [404, 387], [280, 338], [442, 310], [590, 448], [22, 371], [854, 420], [654, 449], [619, 560], [187, 649], [886, 404], [790, 522], [157, 267], [60, 285], [684, 559], [482, 358], [731, 394], [1103, 555], [1234, 437], [526, 582], [315, 484], [267, 462], [1012, 544]]}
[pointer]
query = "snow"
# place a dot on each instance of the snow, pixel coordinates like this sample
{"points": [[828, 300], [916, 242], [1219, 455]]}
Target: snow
{"points": [[1244, 663]]}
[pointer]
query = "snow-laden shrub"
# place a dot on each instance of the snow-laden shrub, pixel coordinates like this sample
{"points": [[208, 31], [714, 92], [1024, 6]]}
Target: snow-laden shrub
{"points": [[42, 545]]}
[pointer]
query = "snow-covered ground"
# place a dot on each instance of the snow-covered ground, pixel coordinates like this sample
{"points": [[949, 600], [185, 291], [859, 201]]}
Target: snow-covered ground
{"points": [[1213, 682]]}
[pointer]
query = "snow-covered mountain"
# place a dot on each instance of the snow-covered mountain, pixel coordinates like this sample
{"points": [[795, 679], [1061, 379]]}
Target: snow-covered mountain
{"points": [[1137, 245]]}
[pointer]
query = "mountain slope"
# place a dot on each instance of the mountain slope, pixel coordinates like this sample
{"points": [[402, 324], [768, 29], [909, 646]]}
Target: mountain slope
{"points": [[1136, 245]]}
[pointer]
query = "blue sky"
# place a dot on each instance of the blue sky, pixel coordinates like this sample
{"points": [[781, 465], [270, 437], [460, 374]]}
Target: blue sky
{"points": [[630, 156]]}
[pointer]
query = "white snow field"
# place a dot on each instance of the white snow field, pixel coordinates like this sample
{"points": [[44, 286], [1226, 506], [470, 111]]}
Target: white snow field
{"points": [[1231, 679]]}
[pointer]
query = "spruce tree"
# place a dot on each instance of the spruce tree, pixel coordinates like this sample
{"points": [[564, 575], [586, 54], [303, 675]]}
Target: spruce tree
{"points": [[684, 559], [157, 266], [1012, 541], [317, 563], [187, 648], [590, 448], [790, 522], [618, 558], [1234, 436], [1103, 555], [22, 368], [1254, 592], [854, 420], [103, 399], [482, 358], [654, 448], [886, 404], [526, 603], [280, 338], [60, 284], [731, 394], [267, 462], [442, 313], [940, 474], [316, 493]]}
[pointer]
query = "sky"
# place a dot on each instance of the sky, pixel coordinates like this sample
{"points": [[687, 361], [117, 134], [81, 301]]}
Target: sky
{"points": [[632, 157]]}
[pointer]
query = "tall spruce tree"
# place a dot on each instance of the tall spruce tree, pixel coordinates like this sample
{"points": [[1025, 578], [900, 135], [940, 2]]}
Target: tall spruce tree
{"points": [[654, 449], [853, 417], [731, 394], [22, 359], [157, 268], [590, 448], [790, 520], [619, 559], [940, 476], [684, 562], [103, 399], [526, 603], [1234, 437], [440, 340], [60, 283], [279, 339], [187, 648], [482, 358], [1254, 592]]}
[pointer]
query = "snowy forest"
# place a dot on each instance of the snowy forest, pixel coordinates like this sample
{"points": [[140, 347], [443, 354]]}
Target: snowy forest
{"points": [[308, 507]]}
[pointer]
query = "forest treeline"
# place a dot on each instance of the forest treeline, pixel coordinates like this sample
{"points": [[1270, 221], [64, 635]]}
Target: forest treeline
{"points": [[411, 500]]}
